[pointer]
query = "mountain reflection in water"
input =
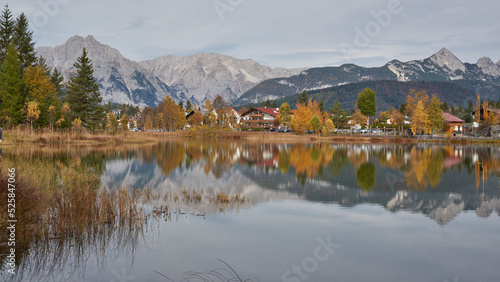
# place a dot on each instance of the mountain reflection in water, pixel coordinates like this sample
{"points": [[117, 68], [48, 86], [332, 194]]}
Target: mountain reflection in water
{"points": [[438, 181]]}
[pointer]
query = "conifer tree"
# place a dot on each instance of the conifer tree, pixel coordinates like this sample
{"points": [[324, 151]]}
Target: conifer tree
{"points": [[12, 99], [83, 94], [23, 41], [302, 98], [6, 31]]}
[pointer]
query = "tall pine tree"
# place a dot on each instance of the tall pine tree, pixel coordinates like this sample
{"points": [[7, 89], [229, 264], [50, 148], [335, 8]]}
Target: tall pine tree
{"points": [[23, 41], [6, 31], [83, 94], [12, 99]]}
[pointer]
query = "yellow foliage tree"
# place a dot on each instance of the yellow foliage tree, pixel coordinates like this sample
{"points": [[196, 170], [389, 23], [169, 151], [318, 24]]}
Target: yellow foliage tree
{"points": [[301, 120], [149, 124], [33, 112], [39, 85]]}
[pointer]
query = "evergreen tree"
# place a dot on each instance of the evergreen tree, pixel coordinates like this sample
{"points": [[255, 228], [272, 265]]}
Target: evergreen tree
{"points": [[57, 78], [6, 32], [445, 107], [321, 106], [83, 94], [12, 99], [402, 108], [302, 98], [188, 106], [268, 103], [274, 105], [23, 41], [470, 107], [181, 104]]}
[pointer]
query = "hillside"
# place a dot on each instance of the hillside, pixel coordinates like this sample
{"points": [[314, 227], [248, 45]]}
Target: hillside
{"points": [[389, 93]]}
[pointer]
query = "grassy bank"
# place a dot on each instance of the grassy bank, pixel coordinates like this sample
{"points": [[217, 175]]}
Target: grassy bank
{"points": [[21, 136], [16, 137]]}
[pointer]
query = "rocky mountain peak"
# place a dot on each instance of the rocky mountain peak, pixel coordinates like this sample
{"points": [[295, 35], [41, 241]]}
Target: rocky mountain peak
{"points": [[446, 59], [488, 66]]}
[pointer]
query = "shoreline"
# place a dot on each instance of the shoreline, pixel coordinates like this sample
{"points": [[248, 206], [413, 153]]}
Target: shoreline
{"points": [[57, 138]]}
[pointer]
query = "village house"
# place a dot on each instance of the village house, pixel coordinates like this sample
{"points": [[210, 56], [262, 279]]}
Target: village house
{"points": [[455, 123], [259, 117]]}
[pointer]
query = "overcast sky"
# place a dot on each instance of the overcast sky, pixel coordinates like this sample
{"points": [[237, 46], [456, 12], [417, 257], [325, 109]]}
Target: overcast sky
{"points": [[278, 33]]}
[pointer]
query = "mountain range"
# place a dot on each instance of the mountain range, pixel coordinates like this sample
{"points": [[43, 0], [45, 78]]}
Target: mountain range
{"points": [[196, 78], [202, 76], [482, 77]]}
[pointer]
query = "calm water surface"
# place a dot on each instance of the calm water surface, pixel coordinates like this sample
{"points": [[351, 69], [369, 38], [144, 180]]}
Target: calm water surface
{"points": [[311, 212]]}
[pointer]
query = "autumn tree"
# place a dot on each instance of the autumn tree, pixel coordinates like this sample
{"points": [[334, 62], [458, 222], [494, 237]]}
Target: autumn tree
{"points": [[285, 115], [174, 115], [384, 116], [315, 123], [40, 88], [33, 112], [112, 123], [420, 119], [413, 99], [398, 119], [478, 109], [124, 122], [209, 117], [221, 106], [196, 119], [435, 114], [148, 125], [301, 120]]}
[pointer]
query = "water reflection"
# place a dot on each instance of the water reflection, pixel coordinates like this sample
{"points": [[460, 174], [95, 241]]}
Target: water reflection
{"points": [[439, 181], [191, 181]]}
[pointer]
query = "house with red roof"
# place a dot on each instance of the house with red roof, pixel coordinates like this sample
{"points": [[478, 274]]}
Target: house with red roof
{"points": [[456, 124], [259, 117]]}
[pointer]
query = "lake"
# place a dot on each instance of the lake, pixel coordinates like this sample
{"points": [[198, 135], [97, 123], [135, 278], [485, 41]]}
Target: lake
{"points": [[249, 211]]}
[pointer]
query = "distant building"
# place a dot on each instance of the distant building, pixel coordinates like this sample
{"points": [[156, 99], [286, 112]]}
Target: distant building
{"points": [[455, 123], [259, 117]]}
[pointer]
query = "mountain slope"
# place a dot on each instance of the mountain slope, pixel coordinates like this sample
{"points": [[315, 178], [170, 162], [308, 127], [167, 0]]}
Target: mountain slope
{"points": [[121, 80], [207, 75], [442, 66], [389, 93], [195, 78]]}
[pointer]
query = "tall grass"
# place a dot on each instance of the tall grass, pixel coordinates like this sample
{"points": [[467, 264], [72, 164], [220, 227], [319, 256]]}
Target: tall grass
{"points": [[65, 218]]}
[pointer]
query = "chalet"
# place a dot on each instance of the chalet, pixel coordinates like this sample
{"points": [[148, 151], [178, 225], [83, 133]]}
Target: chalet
{"points": [[455, 123], [259, 117]]}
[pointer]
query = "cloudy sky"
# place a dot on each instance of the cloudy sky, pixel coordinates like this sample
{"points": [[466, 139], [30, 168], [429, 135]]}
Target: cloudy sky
{"points": [[278, 33]]}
